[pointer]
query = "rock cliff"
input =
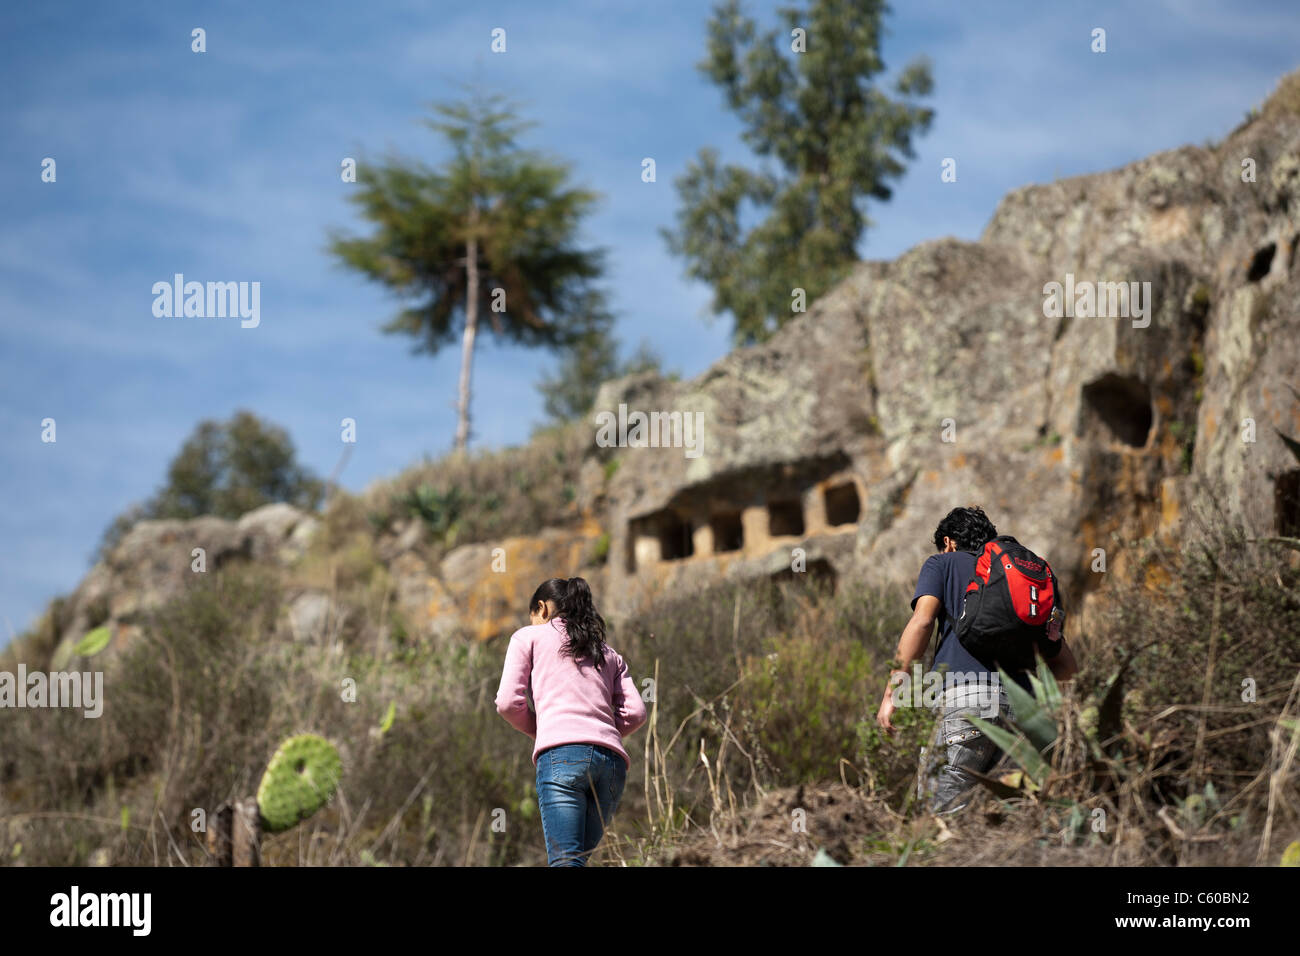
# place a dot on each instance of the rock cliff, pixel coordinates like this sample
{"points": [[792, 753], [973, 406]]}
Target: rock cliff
{"points": [[1116, 352]]}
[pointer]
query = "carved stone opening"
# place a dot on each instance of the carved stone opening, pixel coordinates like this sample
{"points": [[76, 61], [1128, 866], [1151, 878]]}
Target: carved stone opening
{"points": [[1262, 263], [842, 505], [1121, 407], [728, 532], [818, 574], [1286, 503], [674, 537], [662, 536], [784, 518]]}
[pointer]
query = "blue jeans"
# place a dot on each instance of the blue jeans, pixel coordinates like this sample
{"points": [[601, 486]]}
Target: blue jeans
{"points": [[579, 787], [958, 748]]}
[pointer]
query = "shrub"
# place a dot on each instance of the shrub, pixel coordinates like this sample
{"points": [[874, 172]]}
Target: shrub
{"points": [[789, 718], [485, 495], [225, 469], [799, 705]]}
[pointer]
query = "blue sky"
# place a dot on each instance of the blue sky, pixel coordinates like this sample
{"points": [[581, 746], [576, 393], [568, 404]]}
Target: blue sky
{"points": [[225, 166]]}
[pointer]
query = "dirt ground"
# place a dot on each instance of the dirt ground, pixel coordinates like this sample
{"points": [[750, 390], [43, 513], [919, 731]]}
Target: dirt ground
{"points": [[855, 830]]}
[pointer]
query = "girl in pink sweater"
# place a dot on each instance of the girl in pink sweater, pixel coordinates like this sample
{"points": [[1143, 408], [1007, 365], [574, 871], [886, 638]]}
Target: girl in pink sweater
{"points": [[585, 704]]}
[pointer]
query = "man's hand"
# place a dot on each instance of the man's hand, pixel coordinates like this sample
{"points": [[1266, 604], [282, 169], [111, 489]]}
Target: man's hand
{"points": [[1063, 666], [887, 709]]}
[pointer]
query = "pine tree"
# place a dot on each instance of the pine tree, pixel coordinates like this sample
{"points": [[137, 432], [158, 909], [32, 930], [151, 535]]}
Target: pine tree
{"points": [[493, 232]]}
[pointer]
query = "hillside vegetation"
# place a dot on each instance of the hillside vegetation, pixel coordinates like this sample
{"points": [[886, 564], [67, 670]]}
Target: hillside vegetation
{"points": [[1166, 447], [763, 700]]}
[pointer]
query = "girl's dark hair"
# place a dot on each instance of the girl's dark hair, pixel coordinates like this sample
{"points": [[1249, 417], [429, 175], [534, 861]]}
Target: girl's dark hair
{"points": [[584, 628], [969, 527]]}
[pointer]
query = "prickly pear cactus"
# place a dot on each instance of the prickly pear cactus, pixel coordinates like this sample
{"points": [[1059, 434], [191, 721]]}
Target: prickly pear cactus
{"points": [[299, 780]]}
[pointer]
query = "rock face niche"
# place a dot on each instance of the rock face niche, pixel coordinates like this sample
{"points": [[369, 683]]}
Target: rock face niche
{"points": [[1118, 407], [792, 519]]}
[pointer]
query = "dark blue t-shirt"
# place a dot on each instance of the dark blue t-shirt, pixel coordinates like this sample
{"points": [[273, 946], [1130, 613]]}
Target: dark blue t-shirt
{"points": [[945, 576]]}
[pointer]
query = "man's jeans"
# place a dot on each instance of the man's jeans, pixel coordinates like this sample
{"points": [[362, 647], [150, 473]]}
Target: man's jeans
{"points": [[579, 787], [959, 748]]}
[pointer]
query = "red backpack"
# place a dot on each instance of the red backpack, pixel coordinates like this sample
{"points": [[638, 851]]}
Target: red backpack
{"points": [[1009, 603]]}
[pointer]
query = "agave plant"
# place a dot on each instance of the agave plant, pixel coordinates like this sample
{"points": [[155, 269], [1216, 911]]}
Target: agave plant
{"points": [[1034, 728], [439, 510], [1196, 808]]}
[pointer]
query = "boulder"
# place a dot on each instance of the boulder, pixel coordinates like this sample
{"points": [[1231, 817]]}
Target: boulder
{"points": [[153, 561]]}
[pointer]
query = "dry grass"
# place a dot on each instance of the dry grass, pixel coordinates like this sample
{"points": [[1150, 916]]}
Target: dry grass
{"points": [[482, 495], [1159, 760], [1285, 100], [760, 748]]}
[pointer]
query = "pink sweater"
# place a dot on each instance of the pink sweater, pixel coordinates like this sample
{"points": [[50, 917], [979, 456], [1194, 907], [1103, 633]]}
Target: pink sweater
{"points": [[575, 704]]}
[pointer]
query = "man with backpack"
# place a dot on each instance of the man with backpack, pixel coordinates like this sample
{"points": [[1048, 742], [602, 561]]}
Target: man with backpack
{"points": [[996, 603]]}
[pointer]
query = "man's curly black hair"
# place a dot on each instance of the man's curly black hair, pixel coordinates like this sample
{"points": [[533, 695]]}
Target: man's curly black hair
{"points": [[969, 527]]}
